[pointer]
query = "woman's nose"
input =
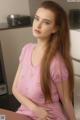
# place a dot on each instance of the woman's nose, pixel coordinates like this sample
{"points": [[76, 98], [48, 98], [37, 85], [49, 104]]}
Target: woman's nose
{"points": [[39, 24]]}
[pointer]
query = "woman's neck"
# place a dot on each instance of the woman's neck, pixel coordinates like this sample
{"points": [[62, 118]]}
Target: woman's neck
{"points": [[41, 44]]}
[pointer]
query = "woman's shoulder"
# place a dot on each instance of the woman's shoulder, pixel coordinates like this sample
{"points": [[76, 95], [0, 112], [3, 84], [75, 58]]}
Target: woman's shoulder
{"points": [[58, 62], [57, 58], [28, 45], [26, 50], [58, 68]]}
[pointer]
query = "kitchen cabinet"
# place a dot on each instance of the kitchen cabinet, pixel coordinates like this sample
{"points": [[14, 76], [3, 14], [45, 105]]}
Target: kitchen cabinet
{"points": [[75, 48]]}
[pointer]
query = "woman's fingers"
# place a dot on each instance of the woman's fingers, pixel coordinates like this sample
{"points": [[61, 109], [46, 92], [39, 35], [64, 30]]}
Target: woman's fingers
{"points": [[48, 118]]}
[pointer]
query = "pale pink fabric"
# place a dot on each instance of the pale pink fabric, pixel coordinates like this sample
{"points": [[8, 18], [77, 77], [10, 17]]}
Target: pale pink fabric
{"points": [[29, 83]]}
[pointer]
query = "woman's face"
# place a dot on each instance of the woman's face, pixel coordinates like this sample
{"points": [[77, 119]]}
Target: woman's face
{"points": [[44, 23]]}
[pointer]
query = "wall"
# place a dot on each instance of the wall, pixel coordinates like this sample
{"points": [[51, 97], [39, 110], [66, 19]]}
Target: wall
{"points": [[68, 5], [34, 4], [13, 7], [28, 7]]}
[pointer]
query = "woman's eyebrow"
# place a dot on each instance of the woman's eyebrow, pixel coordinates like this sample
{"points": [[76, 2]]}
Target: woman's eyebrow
{"points": [[48, 20], [36, 16]]}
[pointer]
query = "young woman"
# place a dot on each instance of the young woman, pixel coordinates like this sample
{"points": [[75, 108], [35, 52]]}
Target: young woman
{"points": [[44, 80]]}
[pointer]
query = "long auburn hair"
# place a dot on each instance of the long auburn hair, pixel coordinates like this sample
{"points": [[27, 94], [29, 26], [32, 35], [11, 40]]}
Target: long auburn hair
{"points": [[58, 42]]}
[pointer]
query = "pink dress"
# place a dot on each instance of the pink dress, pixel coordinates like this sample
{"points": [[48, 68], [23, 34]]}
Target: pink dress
{"points": [[29, 84]]}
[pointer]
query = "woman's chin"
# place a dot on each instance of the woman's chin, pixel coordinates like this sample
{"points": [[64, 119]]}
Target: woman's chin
{"points": [[36, 35]]}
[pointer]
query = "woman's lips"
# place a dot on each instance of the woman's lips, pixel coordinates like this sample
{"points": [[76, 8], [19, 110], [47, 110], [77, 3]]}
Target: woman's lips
{"points": [[37, 31]]}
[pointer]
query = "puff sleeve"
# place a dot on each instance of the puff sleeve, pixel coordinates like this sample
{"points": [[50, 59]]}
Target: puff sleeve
{"points": [[24, 52], [58, 70]]}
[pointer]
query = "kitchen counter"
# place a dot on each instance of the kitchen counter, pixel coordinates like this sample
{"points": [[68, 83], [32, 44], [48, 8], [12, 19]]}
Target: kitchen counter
{"points": [[5, 26], [9, 115]]}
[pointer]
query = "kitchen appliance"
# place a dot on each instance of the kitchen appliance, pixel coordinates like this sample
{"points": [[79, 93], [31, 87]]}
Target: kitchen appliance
{"points": [[18, 20], [74, 18], [3, 80]]}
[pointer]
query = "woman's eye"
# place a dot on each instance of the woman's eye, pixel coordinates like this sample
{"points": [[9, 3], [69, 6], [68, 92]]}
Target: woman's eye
{"points": [[47, 23]]}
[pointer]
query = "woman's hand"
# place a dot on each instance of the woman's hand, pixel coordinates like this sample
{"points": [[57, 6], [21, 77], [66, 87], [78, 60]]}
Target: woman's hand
{"points": [[41, 113]]}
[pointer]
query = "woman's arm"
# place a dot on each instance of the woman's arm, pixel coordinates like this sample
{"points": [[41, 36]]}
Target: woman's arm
{"points": [[39, 111], [22, 99], [63, 90]]}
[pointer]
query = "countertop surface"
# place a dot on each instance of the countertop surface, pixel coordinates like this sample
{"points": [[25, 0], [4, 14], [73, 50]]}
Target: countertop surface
{"points": [[5, 26], [9, 115]]}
